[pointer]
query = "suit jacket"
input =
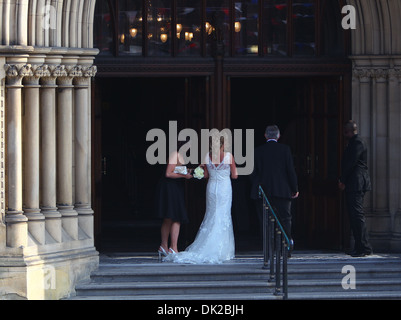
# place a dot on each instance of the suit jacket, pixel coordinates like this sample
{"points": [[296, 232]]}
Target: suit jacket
{"points": [[274, 170], [354, 167]]}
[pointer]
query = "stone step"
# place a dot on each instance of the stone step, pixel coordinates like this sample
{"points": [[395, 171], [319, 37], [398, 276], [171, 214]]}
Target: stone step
{"points": [[157, 274], [162, 297], [328, 285], [179, 273], [347, 295], [244, 286], [344, 295], [242, 279], [177, 287]]}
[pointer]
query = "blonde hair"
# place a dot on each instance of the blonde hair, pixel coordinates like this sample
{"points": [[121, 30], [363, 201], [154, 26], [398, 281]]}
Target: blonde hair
{"points": [[217, 140]]}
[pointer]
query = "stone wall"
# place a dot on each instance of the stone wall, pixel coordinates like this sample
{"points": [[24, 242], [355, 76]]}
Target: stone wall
{"points": [[376, 106], [46, 221]]}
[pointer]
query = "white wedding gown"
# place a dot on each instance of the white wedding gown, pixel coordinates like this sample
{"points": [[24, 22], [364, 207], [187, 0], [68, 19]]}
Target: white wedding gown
{"points": [[214, 242]]}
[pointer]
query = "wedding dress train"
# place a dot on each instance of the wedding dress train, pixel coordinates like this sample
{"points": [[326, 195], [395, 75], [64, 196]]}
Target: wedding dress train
{"points": [[214, 242]]}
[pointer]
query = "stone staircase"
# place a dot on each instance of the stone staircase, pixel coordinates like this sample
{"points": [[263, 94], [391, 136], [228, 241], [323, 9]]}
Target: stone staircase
{"points": [[310, 276]]}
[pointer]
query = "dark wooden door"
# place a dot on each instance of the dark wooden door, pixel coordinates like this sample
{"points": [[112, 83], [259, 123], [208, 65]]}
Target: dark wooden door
{"points": [[124, 110], [197, 117], [318, 220]]}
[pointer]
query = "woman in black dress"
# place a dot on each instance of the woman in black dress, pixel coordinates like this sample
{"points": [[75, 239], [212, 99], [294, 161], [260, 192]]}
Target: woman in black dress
{"points": [[170, 203]]}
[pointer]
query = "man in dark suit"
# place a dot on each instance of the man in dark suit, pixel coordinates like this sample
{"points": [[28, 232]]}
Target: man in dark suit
{"points": [[355, 181], [274, 171]]}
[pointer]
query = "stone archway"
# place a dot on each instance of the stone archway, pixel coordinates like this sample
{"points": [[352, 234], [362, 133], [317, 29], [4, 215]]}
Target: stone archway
{"points": [[377, 22]]}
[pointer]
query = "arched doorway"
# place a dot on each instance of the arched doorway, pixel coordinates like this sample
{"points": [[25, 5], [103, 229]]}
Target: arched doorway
{"points": [[234, 45]]}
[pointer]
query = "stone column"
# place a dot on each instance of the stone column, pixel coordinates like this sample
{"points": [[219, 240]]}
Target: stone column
{"points": [[82, 150], [364, 114], [36, 220], [17, 227], [356, 96], [398, 74], [395, 93], [394, 141], [48, 154], [379, 116], [64, 154], [380, 226], [380, 132]]}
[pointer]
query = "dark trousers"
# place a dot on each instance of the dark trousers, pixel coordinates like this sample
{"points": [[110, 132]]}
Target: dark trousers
{"points": [[282, 208], [354, 203]]}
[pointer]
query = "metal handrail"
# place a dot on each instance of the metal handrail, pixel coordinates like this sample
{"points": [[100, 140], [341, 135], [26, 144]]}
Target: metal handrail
{"points": [[274, 233]]}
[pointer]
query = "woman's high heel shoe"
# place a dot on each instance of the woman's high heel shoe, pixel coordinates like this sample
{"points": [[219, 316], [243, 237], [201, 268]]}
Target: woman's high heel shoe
{"points": [[172, 251], [161, 253]]}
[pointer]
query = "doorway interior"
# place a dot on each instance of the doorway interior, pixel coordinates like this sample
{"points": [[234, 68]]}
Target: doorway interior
{"points": [[307, 110], [129, 108]]}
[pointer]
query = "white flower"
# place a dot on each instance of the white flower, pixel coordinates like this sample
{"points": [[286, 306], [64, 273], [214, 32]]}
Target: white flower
{"points": [[198, 173]]}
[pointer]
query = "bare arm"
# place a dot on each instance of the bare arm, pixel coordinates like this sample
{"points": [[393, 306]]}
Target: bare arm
{"points": [[205, 171], [172, 163]]}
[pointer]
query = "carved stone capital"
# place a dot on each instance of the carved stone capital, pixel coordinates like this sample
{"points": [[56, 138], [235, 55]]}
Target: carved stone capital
{"points": [[89, 72], [47, 78], [59, 71], [86, 72], [75, 71], [65, 79], [394, 74], [48, 75], [15, 73], [364, 75], [35, 73], [380, 75]]}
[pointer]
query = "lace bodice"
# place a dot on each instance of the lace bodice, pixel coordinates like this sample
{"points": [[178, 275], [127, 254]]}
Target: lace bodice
{"points": [[221, 170]]}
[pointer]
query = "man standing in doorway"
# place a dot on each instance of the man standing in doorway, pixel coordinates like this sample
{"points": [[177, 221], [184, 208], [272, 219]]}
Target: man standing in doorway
{"points": [[274, 171], [355, 181]]}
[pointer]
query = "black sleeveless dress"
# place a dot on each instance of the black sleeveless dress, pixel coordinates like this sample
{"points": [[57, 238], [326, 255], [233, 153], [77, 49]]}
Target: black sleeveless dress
{"points": [[170, 200]]}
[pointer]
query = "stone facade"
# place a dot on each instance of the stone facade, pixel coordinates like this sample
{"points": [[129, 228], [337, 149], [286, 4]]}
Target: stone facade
{"points": [[46, 67], [376, 106], [46, 222]]}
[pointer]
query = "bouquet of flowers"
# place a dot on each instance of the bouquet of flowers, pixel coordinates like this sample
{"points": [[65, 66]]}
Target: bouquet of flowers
{"points": [[198, 173]]}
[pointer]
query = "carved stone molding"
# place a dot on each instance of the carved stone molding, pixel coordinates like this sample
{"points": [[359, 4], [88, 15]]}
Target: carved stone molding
{"points": [[89, 72], [35, 73], [46, 74], [394, 75], [15, 74], [378, 74], [364, 75], [86, 72]]}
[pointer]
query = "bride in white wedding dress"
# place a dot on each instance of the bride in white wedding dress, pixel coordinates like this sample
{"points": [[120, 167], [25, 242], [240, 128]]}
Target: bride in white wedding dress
{"points": [[214, 242]]}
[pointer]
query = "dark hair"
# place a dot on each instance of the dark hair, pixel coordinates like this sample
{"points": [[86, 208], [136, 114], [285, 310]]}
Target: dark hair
{"points": [[351, 126]]}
